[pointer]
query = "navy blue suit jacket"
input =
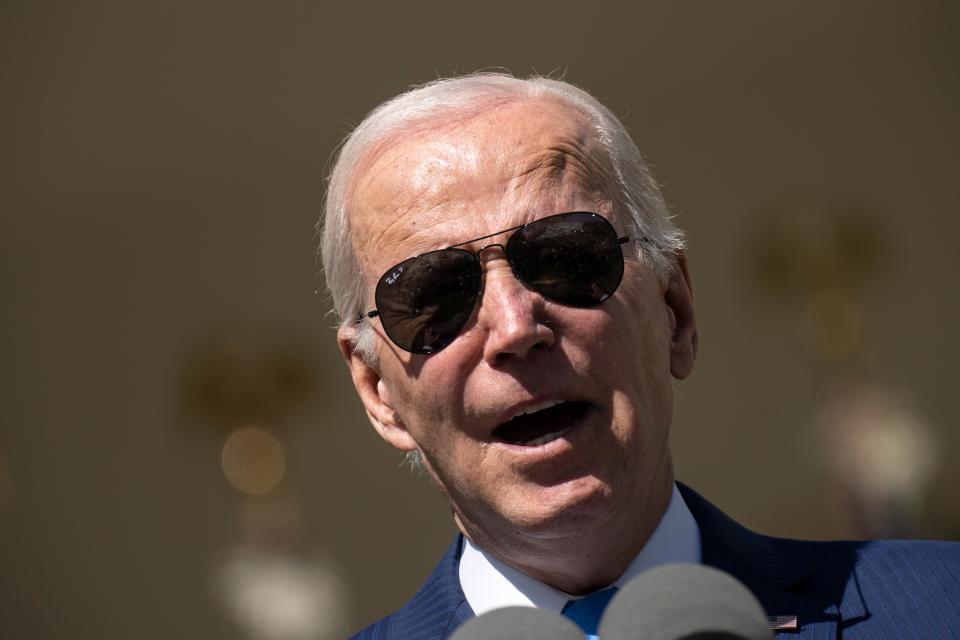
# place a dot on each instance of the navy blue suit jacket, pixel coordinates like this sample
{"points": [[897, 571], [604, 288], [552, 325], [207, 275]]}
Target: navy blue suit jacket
{"points": [[837, 590]]}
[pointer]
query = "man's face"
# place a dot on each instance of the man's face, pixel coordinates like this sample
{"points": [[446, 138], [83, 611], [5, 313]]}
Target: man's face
{"points": [[597, 380]]}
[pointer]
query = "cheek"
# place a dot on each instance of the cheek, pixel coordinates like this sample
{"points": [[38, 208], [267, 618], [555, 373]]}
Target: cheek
{"points": [[426, 406], [638, 352], [399, 393], [419, 417], [647, 320], [432, 391]]}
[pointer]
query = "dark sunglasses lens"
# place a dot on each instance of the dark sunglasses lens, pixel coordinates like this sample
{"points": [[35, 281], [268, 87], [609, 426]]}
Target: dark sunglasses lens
{"points": [[425, 301], [572, 258]]}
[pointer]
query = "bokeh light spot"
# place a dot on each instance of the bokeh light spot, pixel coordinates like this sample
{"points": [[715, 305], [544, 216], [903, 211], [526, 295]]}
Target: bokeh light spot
{"points": [[253, 460]]}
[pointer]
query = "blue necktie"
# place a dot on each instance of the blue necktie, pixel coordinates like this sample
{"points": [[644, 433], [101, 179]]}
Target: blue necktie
{"points": [[586, 612]]}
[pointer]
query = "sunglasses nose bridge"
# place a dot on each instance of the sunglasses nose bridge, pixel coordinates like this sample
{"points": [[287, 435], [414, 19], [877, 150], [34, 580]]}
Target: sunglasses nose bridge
{"points": [[509, 311], [496, 245], [483, 258]]}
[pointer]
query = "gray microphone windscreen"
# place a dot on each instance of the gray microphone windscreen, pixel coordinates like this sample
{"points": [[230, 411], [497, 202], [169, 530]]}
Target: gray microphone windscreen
{"points": [[518, 623], [684, 602]]}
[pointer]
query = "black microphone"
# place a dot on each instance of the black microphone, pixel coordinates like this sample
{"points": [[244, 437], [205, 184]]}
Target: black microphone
{"points": [[684, 602], [518, 623]]}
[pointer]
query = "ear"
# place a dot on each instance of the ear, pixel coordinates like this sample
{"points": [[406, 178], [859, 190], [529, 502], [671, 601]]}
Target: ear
{"points": [[374, 392], [679, 300]]}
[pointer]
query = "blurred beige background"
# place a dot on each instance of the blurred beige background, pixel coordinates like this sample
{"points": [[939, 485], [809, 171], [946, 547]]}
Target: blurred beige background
{"points": [[162, 170]]}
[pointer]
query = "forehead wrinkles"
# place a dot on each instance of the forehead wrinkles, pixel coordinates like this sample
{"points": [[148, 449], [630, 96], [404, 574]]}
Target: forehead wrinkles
{"points": [[554, 175], [411, 166], [555, 148], [528, 159], [410, 190]]}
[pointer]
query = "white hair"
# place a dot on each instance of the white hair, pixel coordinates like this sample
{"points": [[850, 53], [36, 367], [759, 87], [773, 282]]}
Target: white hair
{"points": [[636, 191]]}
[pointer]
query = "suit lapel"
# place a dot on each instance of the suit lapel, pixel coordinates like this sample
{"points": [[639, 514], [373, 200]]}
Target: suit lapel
{"points": [[783, 581], [438, 608]]}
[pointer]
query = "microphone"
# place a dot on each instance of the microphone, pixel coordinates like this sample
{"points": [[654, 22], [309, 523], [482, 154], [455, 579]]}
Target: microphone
{"points": [[518, 623], [684, 602]]}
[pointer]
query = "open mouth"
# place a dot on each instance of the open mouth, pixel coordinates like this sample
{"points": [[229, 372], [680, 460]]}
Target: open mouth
{"points": [[540, 424]]}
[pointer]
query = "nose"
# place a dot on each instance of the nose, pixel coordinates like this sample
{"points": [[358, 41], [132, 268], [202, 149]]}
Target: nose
{"points": [[511, 314]]}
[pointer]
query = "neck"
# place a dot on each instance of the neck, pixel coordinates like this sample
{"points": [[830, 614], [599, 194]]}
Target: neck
{"points": [[590, 559]]}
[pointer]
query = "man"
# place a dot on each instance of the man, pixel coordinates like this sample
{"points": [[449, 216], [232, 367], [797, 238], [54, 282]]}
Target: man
{"points": [[515, 303]]}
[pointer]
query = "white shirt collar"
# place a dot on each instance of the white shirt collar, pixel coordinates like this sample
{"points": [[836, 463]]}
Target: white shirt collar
{"points": [[490, 584]]}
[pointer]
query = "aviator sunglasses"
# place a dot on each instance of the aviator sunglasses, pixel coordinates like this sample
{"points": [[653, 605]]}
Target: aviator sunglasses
{"points": [[573, 259]]}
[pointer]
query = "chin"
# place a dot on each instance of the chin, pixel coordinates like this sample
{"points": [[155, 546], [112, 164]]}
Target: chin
{"points": [[574, 508]]}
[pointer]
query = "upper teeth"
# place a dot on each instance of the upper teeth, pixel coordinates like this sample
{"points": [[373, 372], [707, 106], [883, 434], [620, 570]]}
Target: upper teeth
{"points": [[536, 407]]}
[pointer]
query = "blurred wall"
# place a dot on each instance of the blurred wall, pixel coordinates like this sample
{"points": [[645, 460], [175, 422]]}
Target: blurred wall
{"points": [[162, 170]]}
